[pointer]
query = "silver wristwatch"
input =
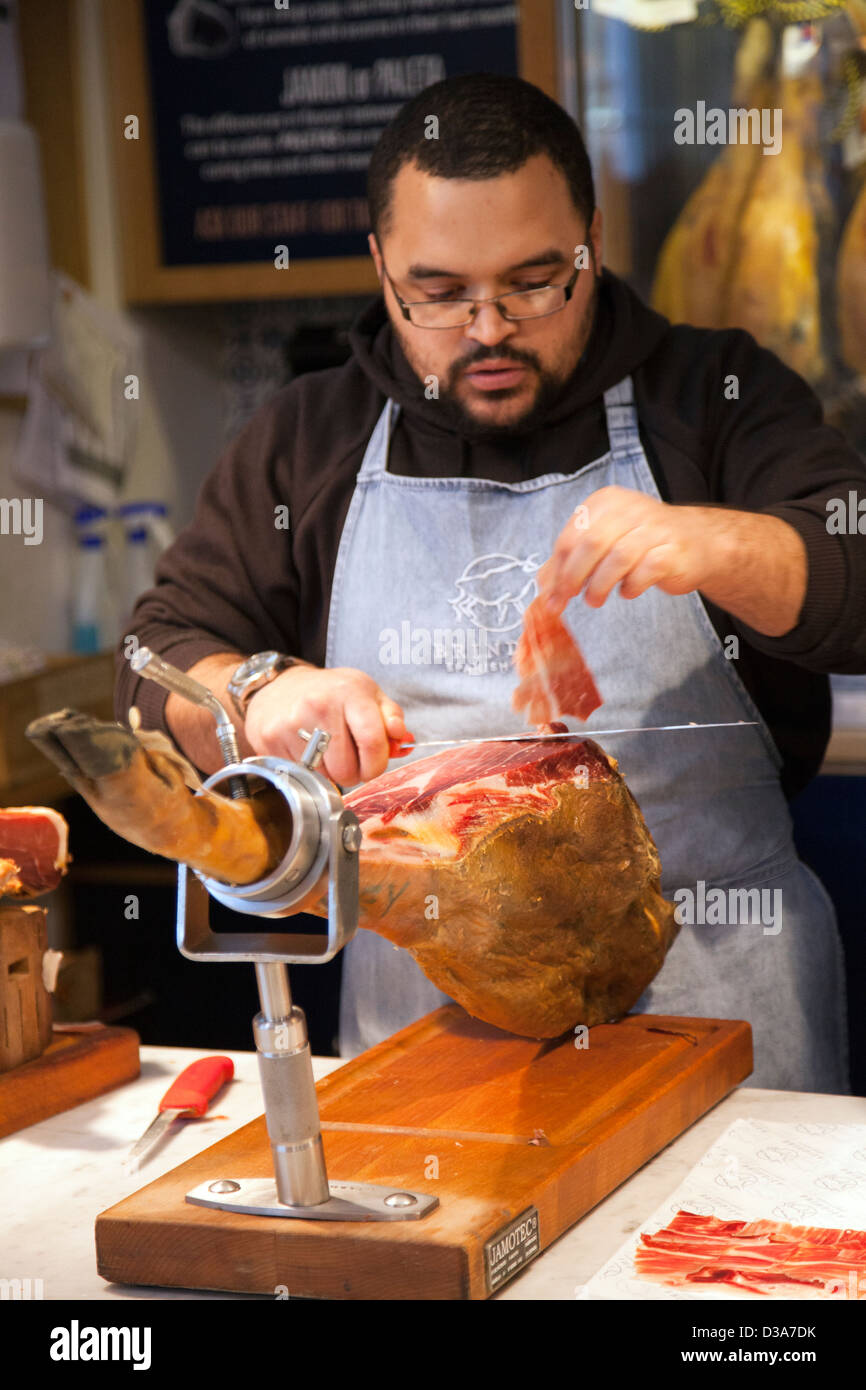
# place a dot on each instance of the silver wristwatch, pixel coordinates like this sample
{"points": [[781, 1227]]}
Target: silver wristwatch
{"points": [[255, 672]]}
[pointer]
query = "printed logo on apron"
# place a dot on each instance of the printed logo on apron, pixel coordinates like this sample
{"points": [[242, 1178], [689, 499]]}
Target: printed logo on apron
{"points": [[491, 596]]}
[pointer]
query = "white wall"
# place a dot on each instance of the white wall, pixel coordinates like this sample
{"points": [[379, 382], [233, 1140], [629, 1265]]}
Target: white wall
{"points": [[179, 432]]}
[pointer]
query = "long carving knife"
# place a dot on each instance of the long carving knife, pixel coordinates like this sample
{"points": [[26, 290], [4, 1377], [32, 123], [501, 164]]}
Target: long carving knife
{"points": [[576, 733]]}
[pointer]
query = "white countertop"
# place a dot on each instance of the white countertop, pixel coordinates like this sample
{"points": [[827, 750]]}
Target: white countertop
{"points": [[57, 1176]]}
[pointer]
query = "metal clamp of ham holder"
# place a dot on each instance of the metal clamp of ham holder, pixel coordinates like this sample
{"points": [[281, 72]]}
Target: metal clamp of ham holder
{"points": [[325, 836]]}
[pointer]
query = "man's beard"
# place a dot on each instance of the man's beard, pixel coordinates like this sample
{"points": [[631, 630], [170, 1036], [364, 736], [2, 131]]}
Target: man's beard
{"points": [[460, 417], [457, 416]]}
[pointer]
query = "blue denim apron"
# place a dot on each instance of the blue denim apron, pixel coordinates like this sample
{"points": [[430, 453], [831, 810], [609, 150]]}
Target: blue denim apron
{"points": [[430, 585]]}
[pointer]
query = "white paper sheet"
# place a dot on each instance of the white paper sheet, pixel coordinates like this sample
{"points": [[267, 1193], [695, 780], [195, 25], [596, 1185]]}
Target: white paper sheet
{"points": [[805, 1174]]}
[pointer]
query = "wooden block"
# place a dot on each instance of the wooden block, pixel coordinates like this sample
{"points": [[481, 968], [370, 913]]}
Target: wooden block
{"points": [[25, 1004], [75, 1067], [501, 1128]]}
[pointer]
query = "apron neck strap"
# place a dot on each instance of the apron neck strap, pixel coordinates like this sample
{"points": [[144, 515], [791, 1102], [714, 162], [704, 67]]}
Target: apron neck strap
{"points": [[622, 427], [619, 407], [375, 458]]}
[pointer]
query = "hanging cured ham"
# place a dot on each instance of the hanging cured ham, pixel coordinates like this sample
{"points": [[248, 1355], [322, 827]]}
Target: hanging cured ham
{"points": [[851, 263], [764, 1257], [851, 287], [773, 289], [694, 263], [744, 251], [520, 875]]}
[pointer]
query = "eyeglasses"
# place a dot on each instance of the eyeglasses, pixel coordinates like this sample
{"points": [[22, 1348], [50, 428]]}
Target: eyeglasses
{"points": [[516, 304]]}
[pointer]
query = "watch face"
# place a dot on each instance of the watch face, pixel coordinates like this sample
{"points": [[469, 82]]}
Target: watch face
{"points": [[257, 665]]}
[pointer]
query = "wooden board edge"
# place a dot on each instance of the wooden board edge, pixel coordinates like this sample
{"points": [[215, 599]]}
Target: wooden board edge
{"points": [[118, 1052], [252, 280], [444, 1276]]}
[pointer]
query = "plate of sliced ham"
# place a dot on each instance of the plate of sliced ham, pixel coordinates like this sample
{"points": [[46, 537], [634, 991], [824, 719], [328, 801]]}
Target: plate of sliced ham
{"points": [[773, 1210], [761, 1257]]}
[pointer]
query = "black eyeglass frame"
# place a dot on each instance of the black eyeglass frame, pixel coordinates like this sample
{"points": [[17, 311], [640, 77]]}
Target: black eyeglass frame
{"points": [[406, 305]]}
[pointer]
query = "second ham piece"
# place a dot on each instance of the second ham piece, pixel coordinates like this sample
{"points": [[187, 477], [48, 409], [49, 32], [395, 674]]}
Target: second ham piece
{"points": [[33, 850], [554, 677]]}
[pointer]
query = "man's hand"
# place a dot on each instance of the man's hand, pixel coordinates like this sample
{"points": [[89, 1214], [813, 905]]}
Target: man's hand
{"points": [[753, 566], [360, 718]]}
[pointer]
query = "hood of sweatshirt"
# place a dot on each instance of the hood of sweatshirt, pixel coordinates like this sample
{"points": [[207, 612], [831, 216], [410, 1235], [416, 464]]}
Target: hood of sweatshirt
{"points": [[624, 334]]}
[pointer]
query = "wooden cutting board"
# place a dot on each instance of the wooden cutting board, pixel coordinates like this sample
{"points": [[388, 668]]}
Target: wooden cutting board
{"points": [[75, 1067], [518, 1139]]}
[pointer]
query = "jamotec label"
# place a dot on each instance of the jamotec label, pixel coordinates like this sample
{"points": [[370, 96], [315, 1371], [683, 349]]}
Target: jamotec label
{"points": [[511, 1248]]}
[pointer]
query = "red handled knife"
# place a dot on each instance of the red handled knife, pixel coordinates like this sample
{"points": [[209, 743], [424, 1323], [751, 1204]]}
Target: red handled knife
{"points": [[190, 1094]]}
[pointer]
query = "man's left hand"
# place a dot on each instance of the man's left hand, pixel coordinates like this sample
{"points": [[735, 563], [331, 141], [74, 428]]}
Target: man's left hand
{"points": [[750, 564]]}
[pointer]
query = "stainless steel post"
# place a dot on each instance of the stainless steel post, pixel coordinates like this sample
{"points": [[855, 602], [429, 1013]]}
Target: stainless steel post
{"points": [[291, 1106]]}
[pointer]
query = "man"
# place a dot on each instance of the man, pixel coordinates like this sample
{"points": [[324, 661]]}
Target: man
{"points": [[507, 401]]}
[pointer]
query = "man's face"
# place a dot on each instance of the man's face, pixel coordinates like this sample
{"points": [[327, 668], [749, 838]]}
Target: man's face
{"points": [[475, 238]]}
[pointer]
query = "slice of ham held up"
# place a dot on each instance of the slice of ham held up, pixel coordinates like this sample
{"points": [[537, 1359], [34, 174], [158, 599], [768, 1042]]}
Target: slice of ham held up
{"points": [[554, 677]]}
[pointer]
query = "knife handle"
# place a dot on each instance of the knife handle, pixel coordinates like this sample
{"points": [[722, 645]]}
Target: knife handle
{"points": [[197, 1085]]}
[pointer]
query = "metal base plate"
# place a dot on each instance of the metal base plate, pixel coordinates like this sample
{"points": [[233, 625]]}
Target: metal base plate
{"points": [[349, 1201]]}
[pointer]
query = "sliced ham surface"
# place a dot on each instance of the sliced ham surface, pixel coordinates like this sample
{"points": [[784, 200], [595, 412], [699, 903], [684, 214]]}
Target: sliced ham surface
{"points": [[764, 1257], [439, 807], [34, 840], [554, 677]]}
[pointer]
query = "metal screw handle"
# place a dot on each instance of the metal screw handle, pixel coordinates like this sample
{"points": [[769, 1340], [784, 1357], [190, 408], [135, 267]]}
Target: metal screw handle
{"points": [[155, 668], [317, 742]]}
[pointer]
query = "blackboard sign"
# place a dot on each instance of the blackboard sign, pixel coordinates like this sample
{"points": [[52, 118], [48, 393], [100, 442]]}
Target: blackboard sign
{"points": [[257, 122]]}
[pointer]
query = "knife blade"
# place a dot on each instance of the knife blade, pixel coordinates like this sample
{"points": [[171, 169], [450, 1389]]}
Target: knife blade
{"points": [[189, 1094], [576, 733]]}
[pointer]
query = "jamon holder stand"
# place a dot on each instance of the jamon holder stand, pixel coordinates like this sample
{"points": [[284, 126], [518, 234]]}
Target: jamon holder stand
{"points": [[325, 836]]}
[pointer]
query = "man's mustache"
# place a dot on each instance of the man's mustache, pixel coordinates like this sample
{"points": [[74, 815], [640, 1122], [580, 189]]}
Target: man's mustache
{"points": [[527, 359]]}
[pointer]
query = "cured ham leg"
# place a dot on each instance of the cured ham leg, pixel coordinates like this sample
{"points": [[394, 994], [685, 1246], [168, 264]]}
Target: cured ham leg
{"points": [[555, 679], [143, 795], [520, 876], [765, 1257]]}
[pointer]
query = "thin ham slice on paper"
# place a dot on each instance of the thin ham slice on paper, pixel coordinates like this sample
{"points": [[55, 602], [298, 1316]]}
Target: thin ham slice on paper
{"points": [[554, 677], [33, 850], [763, 1257]]}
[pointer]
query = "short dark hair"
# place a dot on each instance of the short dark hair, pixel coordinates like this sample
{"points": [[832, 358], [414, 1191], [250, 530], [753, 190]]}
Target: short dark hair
{"points": [[489, 124]]}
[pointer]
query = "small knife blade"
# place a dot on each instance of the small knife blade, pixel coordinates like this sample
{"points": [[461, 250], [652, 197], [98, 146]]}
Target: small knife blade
{"points": [[189, 1094], [578, 733]]}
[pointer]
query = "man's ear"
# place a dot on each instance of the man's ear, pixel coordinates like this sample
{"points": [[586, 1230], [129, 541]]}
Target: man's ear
{"points": [[595, 240], [376, 254]]}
